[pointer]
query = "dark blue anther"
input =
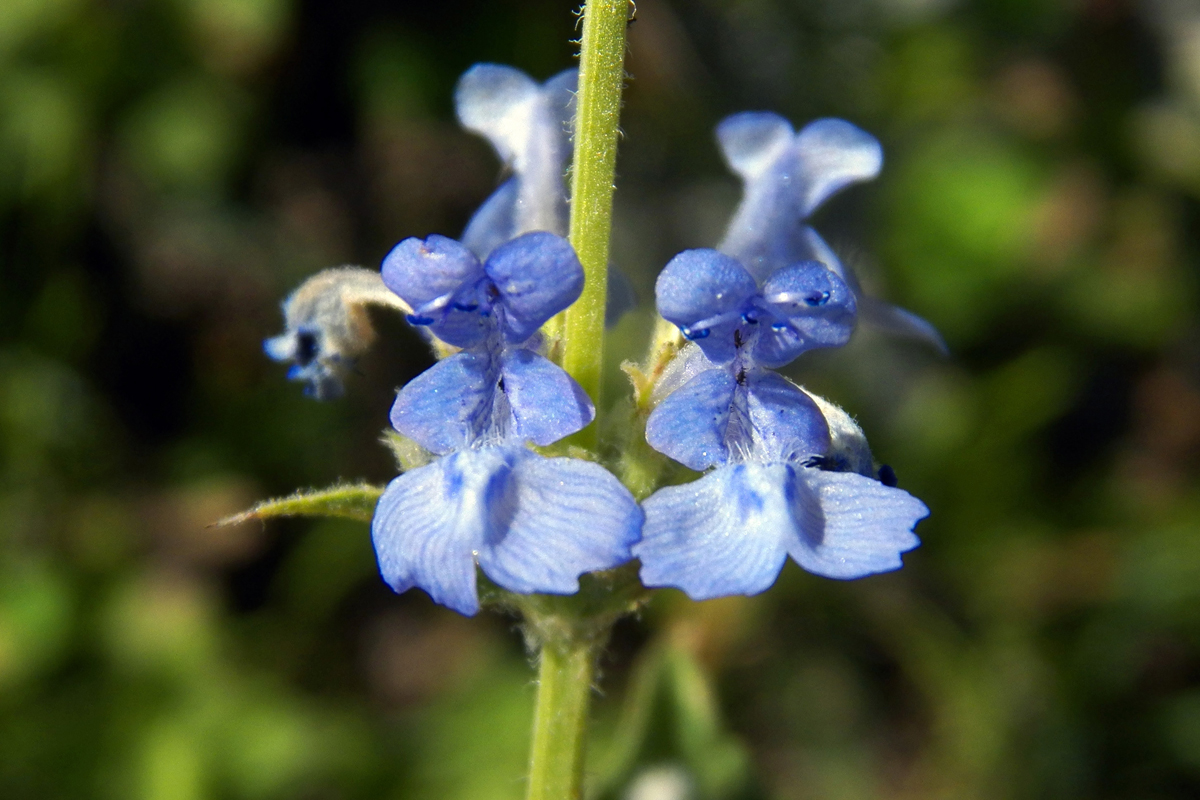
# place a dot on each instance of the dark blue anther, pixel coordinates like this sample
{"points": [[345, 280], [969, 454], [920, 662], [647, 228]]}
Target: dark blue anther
{"points": [[306, 347], [887, 476], [817, 299], [465, 306], [692, 335], [749, 320], [415, 319], [778, 326]]}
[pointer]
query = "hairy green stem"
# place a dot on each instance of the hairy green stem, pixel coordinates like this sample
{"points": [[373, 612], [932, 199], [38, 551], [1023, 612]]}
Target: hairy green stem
{"points": [[560, 721], [571, 636], [598, 111]]}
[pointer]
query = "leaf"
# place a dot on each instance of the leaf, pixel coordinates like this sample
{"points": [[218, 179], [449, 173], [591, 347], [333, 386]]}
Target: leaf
{"points": [[349, 501]]}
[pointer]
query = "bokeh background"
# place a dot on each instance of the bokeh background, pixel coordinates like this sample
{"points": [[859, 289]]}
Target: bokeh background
{"points": [[170, 169]]}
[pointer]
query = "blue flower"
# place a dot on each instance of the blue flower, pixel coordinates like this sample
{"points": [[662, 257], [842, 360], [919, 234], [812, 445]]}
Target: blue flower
{"points": [[787, 176], [532, 524], [529, 126], [792, 473]]}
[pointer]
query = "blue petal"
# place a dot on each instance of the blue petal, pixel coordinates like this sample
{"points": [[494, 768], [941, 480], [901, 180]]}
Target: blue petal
{"points": [[282, 347], [783, 421], [442, 281], [533, 524], [537, 275], [785, 181], [810, 306], [704, 292], [862, 527], [493, 100], [900, 322], [527, 124], [811, 247], [562, 517], [691, 425], [560, 92], [724, 534], [546, 403], [753, 141], [884, 316], [765, 232], [493, 223], [448, 406], [431, 521], [833, 154], [728, 532], [541, 165]]}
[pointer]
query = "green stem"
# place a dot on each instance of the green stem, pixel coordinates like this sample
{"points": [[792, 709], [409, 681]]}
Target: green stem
{"points": [[568, 654], [560, 721], [597, 114]]}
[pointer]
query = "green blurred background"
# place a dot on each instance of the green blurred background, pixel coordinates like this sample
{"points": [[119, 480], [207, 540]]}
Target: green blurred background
{"points": [[170, 169]]}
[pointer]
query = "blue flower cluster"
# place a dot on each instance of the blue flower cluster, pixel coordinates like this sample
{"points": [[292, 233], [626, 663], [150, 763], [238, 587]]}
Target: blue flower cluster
{"points": [[532, 524], [787, 472]]}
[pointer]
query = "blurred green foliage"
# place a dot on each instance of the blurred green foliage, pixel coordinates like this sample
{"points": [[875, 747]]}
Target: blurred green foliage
{"points": [[169, 169]]}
